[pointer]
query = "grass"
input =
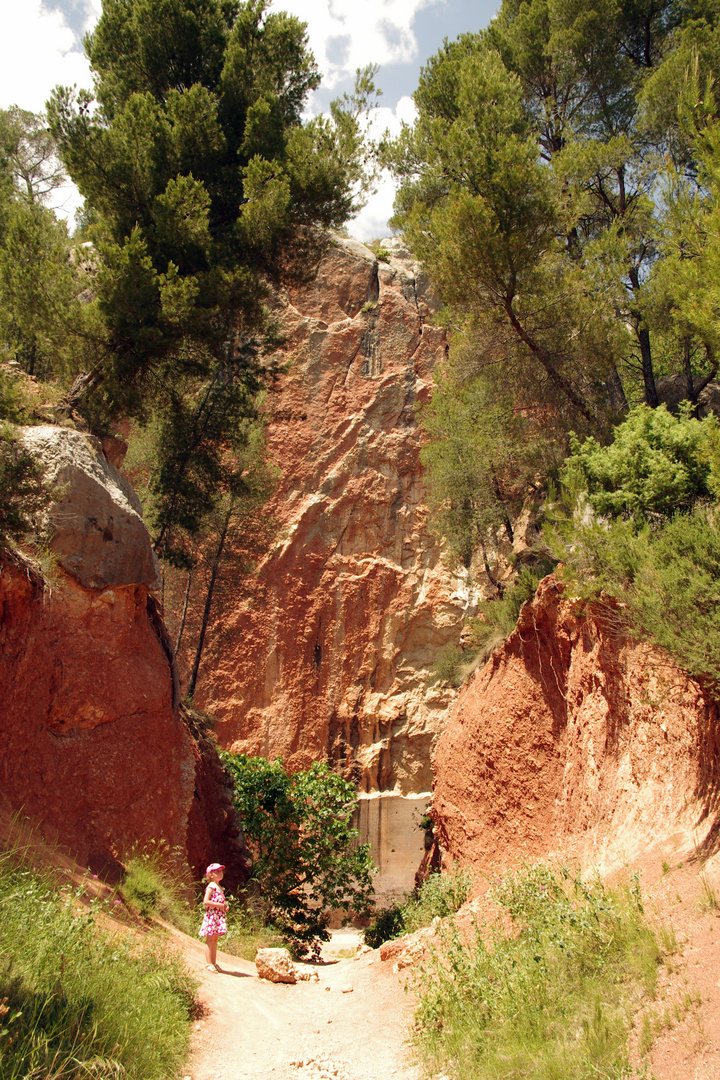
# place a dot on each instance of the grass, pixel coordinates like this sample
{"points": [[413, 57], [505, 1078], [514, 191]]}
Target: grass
{"points": [[547, 991], [151, 887], [78, 1000], [708, 895], [441, 895]]}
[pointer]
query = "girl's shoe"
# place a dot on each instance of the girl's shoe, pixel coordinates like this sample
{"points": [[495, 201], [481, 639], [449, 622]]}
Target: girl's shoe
{"points": [[212, 967]]}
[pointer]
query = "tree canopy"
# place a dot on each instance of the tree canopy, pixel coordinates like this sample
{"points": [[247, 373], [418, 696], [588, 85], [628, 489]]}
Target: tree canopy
{"points": [[560, 183], [203, 180]]}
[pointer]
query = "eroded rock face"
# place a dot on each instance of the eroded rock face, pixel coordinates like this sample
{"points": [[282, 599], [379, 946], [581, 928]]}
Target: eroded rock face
{"points": [[575, 740], [93, 749], [96, 526], [329, 656]]}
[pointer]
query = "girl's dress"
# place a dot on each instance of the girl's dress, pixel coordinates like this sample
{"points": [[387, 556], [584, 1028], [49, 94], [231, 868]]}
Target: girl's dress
{"points": [[214, 921]]}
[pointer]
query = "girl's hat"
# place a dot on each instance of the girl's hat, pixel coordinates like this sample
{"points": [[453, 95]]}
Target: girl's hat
{"points": [[214, 866]]}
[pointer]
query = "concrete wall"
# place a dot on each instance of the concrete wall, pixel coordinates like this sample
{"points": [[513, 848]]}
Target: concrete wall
{"points": [[390, 823]]}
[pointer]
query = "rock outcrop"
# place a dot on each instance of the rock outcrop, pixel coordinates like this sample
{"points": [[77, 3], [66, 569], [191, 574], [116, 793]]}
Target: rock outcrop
{"points": [[93, 749], [95, 524], [574, 740], [328, 657]]}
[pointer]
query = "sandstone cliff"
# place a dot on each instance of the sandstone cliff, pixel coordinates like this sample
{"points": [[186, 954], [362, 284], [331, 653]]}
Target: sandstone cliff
{"points": [[328, 656], [93, 749], [574, 740]]}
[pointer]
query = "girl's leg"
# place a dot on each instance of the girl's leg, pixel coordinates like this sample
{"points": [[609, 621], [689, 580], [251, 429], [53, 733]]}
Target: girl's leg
{"points": [[211, 948]]}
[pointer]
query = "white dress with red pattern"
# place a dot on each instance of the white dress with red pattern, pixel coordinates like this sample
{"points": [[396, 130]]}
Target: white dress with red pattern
{"points": [[214, 922]]}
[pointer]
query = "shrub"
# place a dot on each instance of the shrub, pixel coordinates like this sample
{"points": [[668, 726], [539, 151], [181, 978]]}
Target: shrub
{"points": [[440, 895], [77, 1000], [307, 860], [674, 598], [247, 931], [550, 996], [388, 923], [23, 494], [657, 464], [657, 546]]}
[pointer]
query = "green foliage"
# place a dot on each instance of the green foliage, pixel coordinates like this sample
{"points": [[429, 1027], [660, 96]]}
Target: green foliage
{"points": [[77, 1000], [674, 598], [247, 931], [387, 924], [203, 180], [151, 887], [37, 284], [23, 493], [560, 184], [481, 460], [439, 896], [656, 545], [656, 465], [307, 860], [550, 996]]}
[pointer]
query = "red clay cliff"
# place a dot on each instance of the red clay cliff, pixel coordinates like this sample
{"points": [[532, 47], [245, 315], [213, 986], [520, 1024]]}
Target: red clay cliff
{"points": [[94, 750], [576, 741]]}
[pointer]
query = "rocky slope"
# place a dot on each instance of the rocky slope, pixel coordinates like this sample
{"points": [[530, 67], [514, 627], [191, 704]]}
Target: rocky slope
{"points": [[575, 741], [328, 656], [93, 748]]}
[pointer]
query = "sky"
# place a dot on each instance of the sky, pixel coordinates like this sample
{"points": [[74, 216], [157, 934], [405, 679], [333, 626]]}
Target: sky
{"points": [[41, 46]]}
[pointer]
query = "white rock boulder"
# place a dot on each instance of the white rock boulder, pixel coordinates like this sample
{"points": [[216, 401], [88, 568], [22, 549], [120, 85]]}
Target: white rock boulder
{"points": [[95, 524], [276, 965]]}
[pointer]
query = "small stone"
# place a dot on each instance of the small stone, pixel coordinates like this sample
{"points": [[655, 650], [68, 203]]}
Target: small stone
{"points": [[347, 989], [328, 988]]}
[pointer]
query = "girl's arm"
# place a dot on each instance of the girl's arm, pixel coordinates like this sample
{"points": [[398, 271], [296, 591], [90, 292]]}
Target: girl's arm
{"points": [[213, 903]]}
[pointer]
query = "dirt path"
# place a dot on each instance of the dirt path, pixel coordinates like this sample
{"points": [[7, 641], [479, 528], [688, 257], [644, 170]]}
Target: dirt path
{"points": [[325, 1031], [311, 1031]]}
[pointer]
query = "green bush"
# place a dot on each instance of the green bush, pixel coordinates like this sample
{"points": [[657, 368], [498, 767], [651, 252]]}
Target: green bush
{"points": [[440, 895], [549, 997], [657, 464], [307, 859], [247, 931], [78, 1001], [23, 494], [674, 598], [638, 523], [388, 923]]}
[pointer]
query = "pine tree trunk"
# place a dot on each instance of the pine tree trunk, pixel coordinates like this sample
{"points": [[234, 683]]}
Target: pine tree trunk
{"points": [[208, 602], [184, 613]]}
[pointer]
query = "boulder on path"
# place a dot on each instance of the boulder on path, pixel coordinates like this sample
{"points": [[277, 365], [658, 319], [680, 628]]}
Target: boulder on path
{"points": [[96, 525], [276, 966]]}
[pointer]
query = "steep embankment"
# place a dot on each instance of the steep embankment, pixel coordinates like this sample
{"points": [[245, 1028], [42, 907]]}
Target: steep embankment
{"points": [[93, 749], [577, 741], [328, 656]]}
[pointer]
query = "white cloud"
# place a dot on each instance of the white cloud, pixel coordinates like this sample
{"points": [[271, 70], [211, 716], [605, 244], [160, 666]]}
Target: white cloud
{"points": [[348, 34], [38, 50], [372, 221]]}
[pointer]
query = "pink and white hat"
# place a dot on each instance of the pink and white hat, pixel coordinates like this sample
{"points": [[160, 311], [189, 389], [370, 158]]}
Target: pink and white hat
{"points": [[214, 866]]}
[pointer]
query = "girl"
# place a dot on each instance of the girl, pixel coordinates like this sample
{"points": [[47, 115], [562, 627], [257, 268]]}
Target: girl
{"points": [[213, 925]]}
